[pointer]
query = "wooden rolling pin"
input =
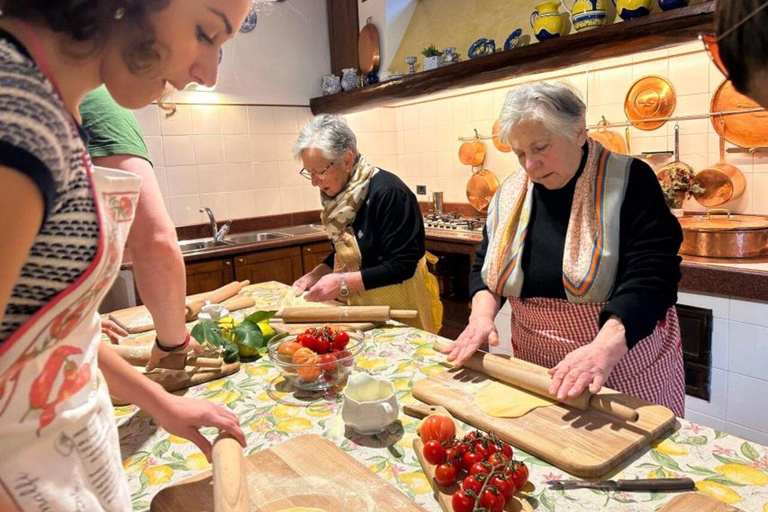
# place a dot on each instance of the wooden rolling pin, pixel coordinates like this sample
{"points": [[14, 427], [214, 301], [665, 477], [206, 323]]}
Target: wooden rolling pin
{"points": [[344, 314], [139, 356], [537, 382], [216, 296], [230, 485]]}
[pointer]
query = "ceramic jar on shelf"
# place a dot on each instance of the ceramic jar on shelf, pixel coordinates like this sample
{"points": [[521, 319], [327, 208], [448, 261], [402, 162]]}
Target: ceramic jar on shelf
{"points": [[331, 84], [349, 79]]}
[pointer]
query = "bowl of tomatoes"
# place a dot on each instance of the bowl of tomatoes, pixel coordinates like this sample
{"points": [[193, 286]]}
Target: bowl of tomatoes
{"points": [[319, 358]]}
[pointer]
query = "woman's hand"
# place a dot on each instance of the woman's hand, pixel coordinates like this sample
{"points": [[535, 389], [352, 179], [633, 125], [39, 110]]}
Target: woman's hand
{"points": [[113, 331], [305, 282], [327, 288], [478, 331], [156, 355], [590, 365], [184, 417]]}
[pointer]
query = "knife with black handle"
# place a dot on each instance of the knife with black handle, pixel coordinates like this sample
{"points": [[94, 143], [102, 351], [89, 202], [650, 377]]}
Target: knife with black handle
{"points": [[640, 484]]}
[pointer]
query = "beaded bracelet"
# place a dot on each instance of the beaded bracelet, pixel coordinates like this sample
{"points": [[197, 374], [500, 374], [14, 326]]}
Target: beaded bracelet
{"points": [[177, 348]]}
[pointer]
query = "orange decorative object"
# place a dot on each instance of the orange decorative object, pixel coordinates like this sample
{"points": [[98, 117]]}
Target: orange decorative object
{"points": [[651, 97]]}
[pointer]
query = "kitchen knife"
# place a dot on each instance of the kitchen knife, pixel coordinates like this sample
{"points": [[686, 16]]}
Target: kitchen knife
{"points": [[640, 484]]}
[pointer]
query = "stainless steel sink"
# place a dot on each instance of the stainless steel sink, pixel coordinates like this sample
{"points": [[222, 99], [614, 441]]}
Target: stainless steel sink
{"points": [[201, 244], [309, 229], [247, 238]]}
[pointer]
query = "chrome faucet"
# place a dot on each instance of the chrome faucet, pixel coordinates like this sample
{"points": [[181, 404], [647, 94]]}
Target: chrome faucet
{"points": [[218, 234]]}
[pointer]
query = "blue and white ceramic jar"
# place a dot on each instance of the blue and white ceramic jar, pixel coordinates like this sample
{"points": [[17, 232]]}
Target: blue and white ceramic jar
{"points": [[331, 84], [348, 79]]}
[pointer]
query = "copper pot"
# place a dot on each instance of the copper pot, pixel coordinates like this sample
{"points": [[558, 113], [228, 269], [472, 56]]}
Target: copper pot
{"points": [[480, 189], [472, 153], [747, 130], [718, 234], [721, 182], [504, 148], [610, 140]]}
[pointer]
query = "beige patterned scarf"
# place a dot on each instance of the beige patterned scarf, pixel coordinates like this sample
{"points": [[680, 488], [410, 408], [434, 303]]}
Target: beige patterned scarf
{"points": [[591, 251]]}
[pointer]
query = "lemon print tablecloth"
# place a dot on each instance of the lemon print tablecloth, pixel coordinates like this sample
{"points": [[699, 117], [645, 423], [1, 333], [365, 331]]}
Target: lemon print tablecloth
{"points": [[723, 466]]}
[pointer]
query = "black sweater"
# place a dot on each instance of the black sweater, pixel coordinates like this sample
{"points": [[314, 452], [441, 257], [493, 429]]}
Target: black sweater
{"points": [[649, 267], [390, 232]]}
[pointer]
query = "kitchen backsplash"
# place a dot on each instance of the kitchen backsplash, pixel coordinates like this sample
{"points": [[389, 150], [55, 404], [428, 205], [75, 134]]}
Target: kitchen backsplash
{"points": [[237, 159]]}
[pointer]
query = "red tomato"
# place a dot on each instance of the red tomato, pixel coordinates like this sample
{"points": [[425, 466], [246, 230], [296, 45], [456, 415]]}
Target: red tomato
{"points": [[436, 426], [434, 452], [445, 474], [473, 482], [480, 448], [519, 475], [497, 459], [462, 502], [491, 500], [340, 340], [469, 459], [506, 487], [326, 361], [308, 340], [507, 450], [322, 346], [479, 468]]}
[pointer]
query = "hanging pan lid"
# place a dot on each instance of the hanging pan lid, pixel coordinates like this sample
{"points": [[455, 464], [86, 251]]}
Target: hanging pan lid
{"points": [[748, 130], [368, 50], [651, 97], [719, 220]]}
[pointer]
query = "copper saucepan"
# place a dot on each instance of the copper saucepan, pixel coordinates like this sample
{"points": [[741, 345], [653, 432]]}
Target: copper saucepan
{"points": [[747, 130], [504, 148], [610, 140], [472, 152], [718, 234], [721, 182], [481, 188]]}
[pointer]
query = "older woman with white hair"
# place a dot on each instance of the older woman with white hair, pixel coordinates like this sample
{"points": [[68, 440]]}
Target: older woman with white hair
{"points": [[375, 224], [580, 242]]}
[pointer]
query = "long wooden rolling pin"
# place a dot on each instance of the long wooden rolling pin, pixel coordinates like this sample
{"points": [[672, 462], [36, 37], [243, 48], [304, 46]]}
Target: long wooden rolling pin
{"points": [[537, 382], [344, 314], [216, 296], [230, 483], [139, 356]]}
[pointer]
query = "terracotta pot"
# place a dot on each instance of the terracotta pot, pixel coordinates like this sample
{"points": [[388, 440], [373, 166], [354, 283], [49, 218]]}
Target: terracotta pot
{"points": [[472, 153]]}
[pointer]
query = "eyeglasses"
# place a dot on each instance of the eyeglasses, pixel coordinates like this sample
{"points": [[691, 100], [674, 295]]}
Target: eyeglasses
{"points": [[711, 41], [309, 175]]}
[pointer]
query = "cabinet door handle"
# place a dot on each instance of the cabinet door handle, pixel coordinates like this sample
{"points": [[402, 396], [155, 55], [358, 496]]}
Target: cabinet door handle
{"points": [[309, 249], [228, 263], [240, 260]]}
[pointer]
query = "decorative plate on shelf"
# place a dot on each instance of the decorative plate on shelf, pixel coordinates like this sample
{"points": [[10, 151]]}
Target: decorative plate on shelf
{"points": [[250, 20]]}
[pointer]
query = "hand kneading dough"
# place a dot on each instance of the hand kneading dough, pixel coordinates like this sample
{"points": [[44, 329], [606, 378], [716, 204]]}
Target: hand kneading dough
{"points": [[503, 401], [302, 509]]}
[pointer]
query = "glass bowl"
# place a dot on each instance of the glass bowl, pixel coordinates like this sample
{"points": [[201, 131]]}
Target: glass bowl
{"points": [[321, 371]]}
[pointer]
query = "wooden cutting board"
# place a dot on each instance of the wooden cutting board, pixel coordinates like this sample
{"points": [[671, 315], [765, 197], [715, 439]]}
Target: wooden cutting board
{"points": [[692, 502], [583, 443], [306, 471]]}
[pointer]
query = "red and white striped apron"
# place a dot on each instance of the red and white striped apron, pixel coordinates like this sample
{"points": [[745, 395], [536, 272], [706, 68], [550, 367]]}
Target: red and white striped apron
{"points": [[651, 370]]}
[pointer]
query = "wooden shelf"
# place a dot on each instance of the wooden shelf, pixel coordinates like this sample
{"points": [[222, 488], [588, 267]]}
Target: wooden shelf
{"points": [[615, 40]]}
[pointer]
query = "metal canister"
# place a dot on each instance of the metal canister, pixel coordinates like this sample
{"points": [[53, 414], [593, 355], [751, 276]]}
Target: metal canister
{"points": [[437, 200]]}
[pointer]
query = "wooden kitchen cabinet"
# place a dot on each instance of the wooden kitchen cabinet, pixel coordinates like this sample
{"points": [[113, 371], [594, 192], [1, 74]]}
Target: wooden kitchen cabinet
{"points": [[283, 265], [314, 254], [209, 275]]}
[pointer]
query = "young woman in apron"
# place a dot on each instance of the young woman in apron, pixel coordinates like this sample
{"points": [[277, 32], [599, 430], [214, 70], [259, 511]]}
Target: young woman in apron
{"points": [[62, 251]]}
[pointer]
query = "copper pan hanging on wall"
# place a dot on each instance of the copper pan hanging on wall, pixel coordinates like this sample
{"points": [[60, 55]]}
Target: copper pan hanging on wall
{"points": [[609, 139], [651, 97], [501, 146], [480, 189], [721, 182], [748, 130], [472, 152], [368, 51]]}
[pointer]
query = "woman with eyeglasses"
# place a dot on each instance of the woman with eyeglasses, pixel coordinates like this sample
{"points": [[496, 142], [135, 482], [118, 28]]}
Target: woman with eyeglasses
{"points": [[374, 223], [63, 224], [740, 48]]}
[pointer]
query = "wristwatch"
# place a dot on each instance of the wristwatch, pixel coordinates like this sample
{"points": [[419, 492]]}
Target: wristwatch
{"points": [[343, 289]]}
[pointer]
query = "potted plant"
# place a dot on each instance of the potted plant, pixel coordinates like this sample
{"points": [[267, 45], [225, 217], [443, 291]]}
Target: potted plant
{"points": [[431, 57], [678, 183]]}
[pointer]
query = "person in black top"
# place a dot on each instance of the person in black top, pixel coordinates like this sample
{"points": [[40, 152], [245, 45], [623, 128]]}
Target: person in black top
{"points": [[740, 48], [375, 224], [583, 246]]}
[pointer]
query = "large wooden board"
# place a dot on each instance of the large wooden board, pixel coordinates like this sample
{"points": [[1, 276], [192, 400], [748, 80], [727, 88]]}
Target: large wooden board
{"points": [[692, 502], [583, 443], [306, 471]]}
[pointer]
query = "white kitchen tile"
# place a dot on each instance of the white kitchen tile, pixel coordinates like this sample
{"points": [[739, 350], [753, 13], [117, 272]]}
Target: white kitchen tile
{"points": [[760, 163], [240, 177], [268, 203], [691, 105], [715, 78], [288, 174], [182, 180], [206, 119], [443, 113], [242, 204], [482, 110], [750, 434], [747, 401], [694, 150], [388, 119], [312, 199], [184, 210], [428, 164], [266, 174], [286, 120], [218, 203], [284, 145], [292, 199], [462, 109], [760, 196], [411, 142], [162, 182], [370, 121], [608, 86], [263, 147], [657, 67], [261, 120], [389, 143], [212, 178], [720, 343], [149, 120], [444, 138], [705, 420], [388, 163], [650, 143], [209, 149], [749, 312], [427, 114], [304, 115], [237, 148], [410, 117], [444, 163], [718, 304], [718, 396], [178, 150], [155, 147], [748, 350], [179, 123], [234, 119], [427, 139], [353, 120], [689, 74]]}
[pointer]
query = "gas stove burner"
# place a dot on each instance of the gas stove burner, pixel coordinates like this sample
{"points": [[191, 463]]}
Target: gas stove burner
{"points": [[452, 222]]}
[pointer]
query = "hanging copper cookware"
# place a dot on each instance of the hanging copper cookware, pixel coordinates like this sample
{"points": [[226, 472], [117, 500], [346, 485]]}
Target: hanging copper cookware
{"points": [[651, 97], [480, 189], [472, 152], [610, 140], [721, 182], [748, 130], [677, 166], [368, 52], [718, 234], [504, 148]]}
